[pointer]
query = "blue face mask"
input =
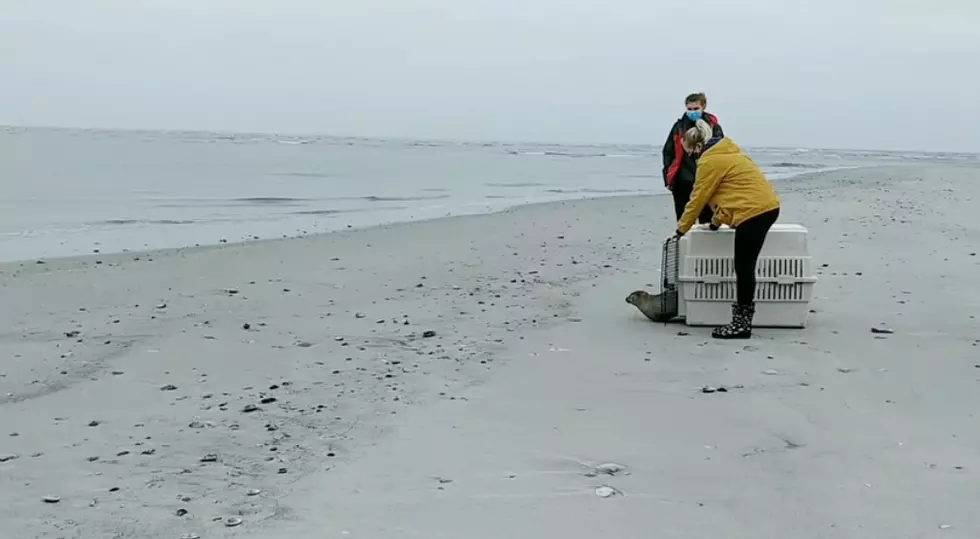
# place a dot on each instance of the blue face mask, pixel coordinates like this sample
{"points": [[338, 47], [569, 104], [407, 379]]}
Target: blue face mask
{"points": [[694, 115]]}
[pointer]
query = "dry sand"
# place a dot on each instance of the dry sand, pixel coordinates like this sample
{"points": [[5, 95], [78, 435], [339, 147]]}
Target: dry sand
{"points": [[126, 379]]}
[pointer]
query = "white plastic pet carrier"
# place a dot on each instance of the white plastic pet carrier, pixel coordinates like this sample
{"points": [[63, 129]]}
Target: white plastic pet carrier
{"points": [[699, 267]]}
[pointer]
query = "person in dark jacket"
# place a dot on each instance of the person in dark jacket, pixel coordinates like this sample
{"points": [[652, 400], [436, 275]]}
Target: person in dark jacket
{"points": [[679, 167]]}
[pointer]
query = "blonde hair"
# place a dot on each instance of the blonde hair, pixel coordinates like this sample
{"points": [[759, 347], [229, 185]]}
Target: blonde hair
{"points": [[696, 137]]}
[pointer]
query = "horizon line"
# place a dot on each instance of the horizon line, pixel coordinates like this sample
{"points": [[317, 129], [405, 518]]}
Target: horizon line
{"points": [[448, 141]]}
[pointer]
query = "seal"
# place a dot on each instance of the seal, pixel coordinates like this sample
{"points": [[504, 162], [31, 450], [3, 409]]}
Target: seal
{"points": [[649, 305]]}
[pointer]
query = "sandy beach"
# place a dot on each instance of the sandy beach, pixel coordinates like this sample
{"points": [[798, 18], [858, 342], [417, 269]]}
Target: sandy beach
{"points": [[464, 378]]}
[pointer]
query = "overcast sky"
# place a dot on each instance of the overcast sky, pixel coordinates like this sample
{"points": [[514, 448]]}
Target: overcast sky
{"points": [[891, 74]]}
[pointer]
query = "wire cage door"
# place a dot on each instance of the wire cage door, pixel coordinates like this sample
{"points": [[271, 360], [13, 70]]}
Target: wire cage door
{"points": [[670, 271]]}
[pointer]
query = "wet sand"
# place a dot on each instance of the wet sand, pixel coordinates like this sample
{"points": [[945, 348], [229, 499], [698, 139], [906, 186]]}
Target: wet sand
{"points": [[464, 377]]}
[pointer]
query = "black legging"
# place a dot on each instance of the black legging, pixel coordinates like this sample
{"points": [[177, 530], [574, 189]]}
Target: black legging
{"points": [[682, 194], [749, 238]]}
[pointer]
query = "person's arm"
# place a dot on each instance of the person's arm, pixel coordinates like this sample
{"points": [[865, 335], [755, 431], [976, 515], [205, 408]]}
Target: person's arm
{"points": [[705, 184], [668, 154]]}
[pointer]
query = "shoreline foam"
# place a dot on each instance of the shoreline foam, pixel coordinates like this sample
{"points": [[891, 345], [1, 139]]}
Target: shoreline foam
{"points": [[476, 209]]}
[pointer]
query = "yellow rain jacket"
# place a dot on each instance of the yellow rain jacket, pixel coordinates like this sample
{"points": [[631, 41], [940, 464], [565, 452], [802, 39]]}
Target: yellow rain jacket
{"points": [[732, 184]]}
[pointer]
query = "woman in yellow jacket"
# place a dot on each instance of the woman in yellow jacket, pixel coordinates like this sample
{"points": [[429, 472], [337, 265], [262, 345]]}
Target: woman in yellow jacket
{"points": [[742, 198]]}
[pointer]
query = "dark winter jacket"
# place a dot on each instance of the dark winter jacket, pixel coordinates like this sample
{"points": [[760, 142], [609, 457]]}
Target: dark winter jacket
{"points": [[678, 166]]}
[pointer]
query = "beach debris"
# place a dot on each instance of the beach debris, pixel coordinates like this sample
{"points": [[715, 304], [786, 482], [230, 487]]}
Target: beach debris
{"points": [[51, 499], [189, 536], [253, 492], [304, 344], [72, 334], [181, 512], [93, 423], [249, 408], [771, 372], [710, 389], [606, 491], [944, 526], [231, 522], [427, 334], [7, 458], [844, 370], [268, 400], [609, 468], [210, 457], [161, 306], [169, 387], [882, 331], [246, 326], [359, 315]]}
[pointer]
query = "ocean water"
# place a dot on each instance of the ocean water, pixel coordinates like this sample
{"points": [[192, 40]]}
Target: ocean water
{"points": [[66, 192]]}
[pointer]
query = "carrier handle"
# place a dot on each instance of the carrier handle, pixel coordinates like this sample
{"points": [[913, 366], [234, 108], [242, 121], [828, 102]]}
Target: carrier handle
{"points": [[786, 279]]}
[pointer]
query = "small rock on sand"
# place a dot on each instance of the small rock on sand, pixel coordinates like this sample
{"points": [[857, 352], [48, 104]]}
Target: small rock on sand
{"points": [[606, 491], [51, 499]]}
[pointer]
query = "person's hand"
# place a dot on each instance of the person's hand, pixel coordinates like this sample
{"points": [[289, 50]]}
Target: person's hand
{"points": [[677, 235], [713, 227]]}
